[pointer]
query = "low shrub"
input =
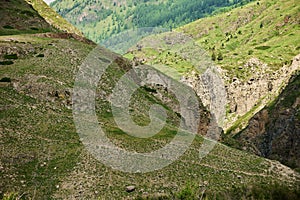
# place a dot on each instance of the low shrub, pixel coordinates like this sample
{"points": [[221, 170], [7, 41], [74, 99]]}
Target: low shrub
{"points": [[5, 79], [6, 62], [40, 55], [262, 47], [8, 27], [11, 56]]}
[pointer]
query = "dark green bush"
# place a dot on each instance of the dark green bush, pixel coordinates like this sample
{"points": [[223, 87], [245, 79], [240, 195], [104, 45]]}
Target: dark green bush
{"points": [[40, 55], [6, 62], [11, 56], [8, 27], [148, 89], [28, 13], [5, 79], [34, 28], [262, 47]]}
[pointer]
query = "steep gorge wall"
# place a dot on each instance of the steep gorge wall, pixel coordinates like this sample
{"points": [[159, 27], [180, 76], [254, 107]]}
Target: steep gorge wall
{"points": [[247, 97], [274, 132]]}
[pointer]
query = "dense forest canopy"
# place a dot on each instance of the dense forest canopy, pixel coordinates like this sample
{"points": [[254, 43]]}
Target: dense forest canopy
{"points": [[100, 20], [175, 13]]}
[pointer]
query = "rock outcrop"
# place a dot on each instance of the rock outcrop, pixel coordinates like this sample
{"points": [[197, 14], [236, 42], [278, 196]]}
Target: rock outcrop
{"points": [[259, 89], [274, 132], [251, 94]]}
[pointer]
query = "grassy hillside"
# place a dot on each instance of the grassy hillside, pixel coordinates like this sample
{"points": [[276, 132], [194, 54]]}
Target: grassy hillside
{"points": [[18, 17], [253, 44], [52, 17], [42, 156], [267, 30], [31, 16], [100, 20]]}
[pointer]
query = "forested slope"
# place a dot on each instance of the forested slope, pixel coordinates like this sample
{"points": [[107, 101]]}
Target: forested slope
{"points": [[99, 20]]}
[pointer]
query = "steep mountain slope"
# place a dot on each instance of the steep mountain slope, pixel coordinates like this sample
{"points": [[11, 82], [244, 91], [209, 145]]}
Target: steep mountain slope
{"points": [[52, 17], [257, 48], [42, 156], [254, 45], [21, 16], [100, 20], [274, 132]]}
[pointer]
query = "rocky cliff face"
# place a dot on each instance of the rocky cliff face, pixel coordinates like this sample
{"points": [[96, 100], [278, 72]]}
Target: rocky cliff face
{"points": [[254, 93], [246, 97], [274, 132]]}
